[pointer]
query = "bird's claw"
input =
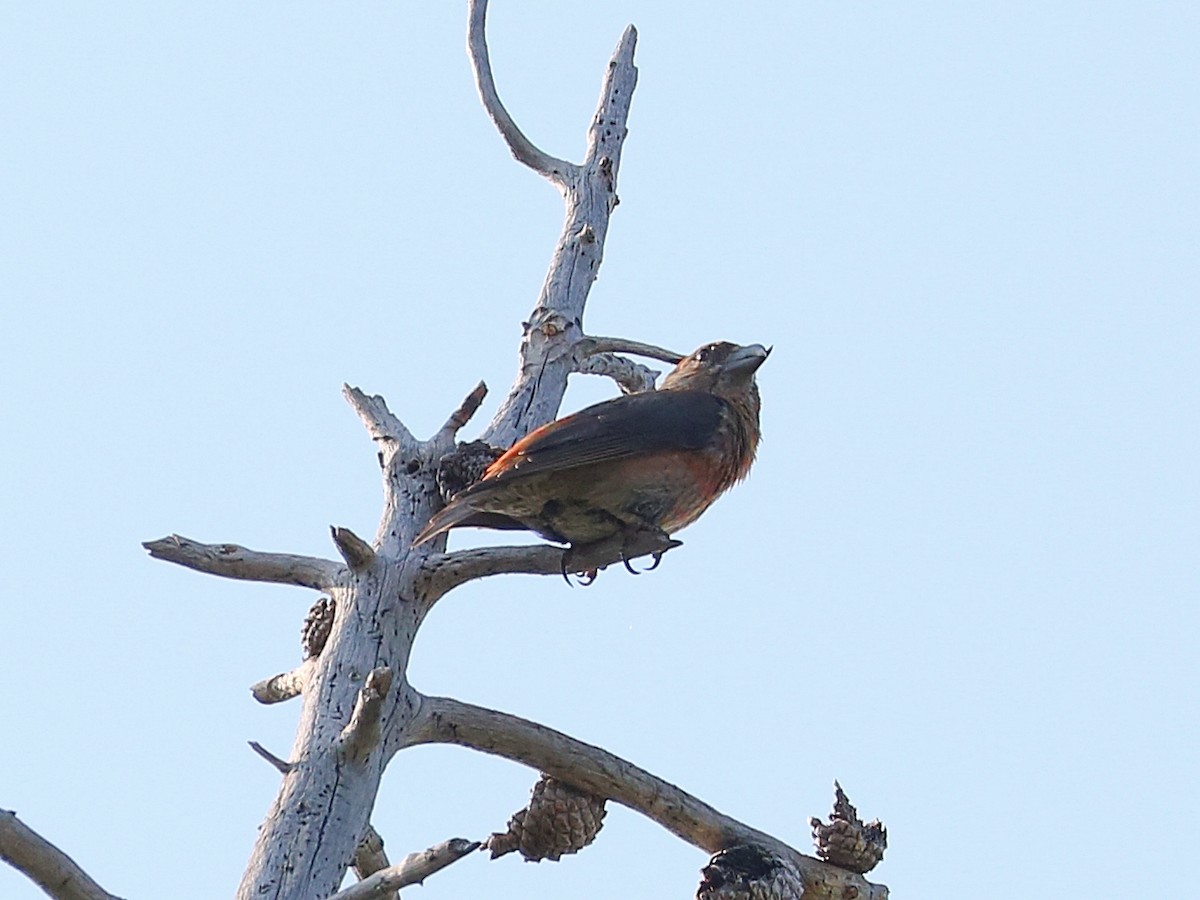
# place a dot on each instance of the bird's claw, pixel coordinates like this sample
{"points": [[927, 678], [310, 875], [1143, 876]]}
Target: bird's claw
{"points": [[586, 576], [657, 557]]}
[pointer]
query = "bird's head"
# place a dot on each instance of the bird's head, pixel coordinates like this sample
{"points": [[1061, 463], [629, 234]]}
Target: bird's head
{"points": [[722, 368]]}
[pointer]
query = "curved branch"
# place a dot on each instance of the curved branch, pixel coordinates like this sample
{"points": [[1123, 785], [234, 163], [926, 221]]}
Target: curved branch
{"points": [[596, 771], [45, 865], [591, 345], [558, 171], [232, 561]]}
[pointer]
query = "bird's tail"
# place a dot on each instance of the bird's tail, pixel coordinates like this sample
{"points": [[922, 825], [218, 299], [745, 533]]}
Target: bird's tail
{"points": [[456, 513]]}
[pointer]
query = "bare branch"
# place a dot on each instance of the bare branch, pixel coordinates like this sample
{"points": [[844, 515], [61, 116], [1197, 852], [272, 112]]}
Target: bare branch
{"points": [[558, 171], [282, 765], [608, 129], [631, 377], [232, 561], [596, 771], [381, 423], [590, 345], [361, 734], [413, 869], [444, 439], [357, 553], [445, 571], [45, 865], [371, 857], [284, 686]]}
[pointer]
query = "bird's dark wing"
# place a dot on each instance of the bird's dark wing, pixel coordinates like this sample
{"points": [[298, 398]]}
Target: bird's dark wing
{"points": [[634, 425]]}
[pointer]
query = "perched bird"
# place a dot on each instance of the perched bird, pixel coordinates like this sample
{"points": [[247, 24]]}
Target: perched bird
{"points": [[643, 462]]}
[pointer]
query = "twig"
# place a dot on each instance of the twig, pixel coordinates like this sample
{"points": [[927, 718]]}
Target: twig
{"points": [[45, 865], [462, 415], [282, 765], [413, 869], [590, 345], [357, 553], [285, 685], [596, 771], [558, 171], [361, 734], [232, 561]]}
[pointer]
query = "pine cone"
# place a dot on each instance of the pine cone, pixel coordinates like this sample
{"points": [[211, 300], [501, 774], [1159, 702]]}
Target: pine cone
{"points": [[464, 466], [747, 872], [846, 842], [317, 625], [558, 820]]}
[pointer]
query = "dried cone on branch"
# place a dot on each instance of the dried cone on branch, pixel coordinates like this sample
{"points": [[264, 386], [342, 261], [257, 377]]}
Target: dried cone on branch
{"points": [[558, 820], [317, 625], [846, 842], [747, 872], [464, 466]]}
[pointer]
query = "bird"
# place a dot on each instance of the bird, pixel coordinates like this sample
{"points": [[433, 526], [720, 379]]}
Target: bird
{"points": [[646, 463]]}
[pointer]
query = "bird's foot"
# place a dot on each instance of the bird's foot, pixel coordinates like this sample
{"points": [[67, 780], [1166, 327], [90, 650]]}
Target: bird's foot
{"points": [[586, 560]]}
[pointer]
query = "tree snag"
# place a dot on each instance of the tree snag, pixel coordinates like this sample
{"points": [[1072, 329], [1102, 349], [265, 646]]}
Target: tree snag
{"points": [[358, 708]]}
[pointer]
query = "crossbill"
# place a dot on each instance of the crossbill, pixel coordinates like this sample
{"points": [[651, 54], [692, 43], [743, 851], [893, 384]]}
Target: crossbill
{"points": [[649, 462]]}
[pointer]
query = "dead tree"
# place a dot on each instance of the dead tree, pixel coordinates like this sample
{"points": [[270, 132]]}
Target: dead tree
{"points": [[358, 709]]}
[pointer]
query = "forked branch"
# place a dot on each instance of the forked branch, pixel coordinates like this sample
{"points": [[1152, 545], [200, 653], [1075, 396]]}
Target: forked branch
{"points": [[596, 771]]}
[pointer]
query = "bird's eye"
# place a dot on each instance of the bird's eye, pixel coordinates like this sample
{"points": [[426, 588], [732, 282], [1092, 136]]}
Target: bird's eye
{"points": [[703, 354]]}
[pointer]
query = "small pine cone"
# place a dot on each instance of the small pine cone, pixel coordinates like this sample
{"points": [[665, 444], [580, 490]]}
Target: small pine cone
{"points": [[558, 820], [317, 625], [464, 466], [846, 842], [747, 872]]}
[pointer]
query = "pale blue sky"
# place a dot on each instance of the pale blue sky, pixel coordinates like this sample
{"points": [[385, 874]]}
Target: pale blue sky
{"points": [[962, 578]]}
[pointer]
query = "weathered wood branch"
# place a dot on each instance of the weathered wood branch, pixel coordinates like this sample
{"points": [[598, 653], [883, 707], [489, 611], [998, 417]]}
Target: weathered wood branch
{"points": [[557, 171], [370, 857], [413, 869], [381, 423], [44, 864], [547, 348], [280, 765], [357, 553], [599, 772], [232, 561], [285, 685], [631, 377], [361, 734], [590, 345], [445, 571], [444, 439]]}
